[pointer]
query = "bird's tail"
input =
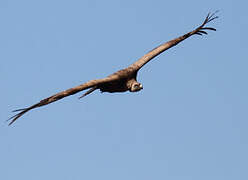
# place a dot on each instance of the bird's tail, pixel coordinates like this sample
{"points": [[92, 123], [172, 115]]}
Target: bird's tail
{"points": [[88, 92]]}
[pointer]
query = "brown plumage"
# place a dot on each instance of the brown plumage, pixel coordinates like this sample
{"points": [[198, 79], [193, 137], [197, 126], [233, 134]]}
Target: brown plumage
{"points": [[123, 80]]}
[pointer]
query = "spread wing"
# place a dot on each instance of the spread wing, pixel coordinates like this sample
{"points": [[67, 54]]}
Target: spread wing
{"points": [[158, 50], [60, 95]]}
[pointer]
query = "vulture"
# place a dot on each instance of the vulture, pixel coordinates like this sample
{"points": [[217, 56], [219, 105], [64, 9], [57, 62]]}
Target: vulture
{"points": [[122, 80]]}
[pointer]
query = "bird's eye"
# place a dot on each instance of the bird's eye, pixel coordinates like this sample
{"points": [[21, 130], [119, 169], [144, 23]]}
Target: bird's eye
{"points": [[136, 86]]}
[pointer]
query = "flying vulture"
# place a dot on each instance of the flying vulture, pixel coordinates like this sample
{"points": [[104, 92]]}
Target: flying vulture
{"points": [[122, 80]]}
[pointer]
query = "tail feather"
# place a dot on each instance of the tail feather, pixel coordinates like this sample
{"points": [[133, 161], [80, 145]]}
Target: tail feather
{"points": [[88, 92]]}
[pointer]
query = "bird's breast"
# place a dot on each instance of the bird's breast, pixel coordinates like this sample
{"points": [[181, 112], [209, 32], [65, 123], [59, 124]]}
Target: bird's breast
{"points": [[116, 86]]}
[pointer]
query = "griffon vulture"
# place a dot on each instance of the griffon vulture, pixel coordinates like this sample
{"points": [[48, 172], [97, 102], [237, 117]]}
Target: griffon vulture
{"points": [[122, 80]]}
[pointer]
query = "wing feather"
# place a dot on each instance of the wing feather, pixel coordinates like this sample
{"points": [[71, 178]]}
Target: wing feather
{"points": [[158, 50], [62, 94]]}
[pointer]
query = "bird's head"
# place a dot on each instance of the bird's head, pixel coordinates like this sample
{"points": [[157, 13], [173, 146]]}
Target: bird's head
{"points": [[136, 87]]}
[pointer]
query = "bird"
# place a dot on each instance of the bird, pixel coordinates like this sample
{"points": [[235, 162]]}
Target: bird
{"points": [[122, 80]]}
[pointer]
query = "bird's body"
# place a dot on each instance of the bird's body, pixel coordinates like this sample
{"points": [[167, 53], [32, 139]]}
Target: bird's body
{"points": [[115, 86], [122, 80], [123, 84]]}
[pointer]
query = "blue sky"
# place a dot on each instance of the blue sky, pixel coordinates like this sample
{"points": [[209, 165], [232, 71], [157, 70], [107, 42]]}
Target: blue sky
{"points": [[189, 122]]}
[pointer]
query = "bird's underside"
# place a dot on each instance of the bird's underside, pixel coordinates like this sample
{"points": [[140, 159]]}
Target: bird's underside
{"points": [[120, 81]]}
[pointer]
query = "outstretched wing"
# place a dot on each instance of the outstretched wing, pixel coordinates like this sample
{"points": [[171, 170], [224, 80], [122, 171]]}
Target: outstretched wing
{"points": [[155, 52], [60, 95]]}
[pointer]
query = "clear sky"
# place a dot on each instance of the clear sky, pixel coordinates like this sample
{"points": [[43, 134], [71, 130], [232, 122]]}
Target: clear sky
{"points": [[189, 122]]}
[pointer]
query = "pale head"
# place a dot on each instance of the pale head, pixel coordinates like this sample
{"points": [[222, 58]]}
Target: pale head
{"points": [[136, 87]]}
